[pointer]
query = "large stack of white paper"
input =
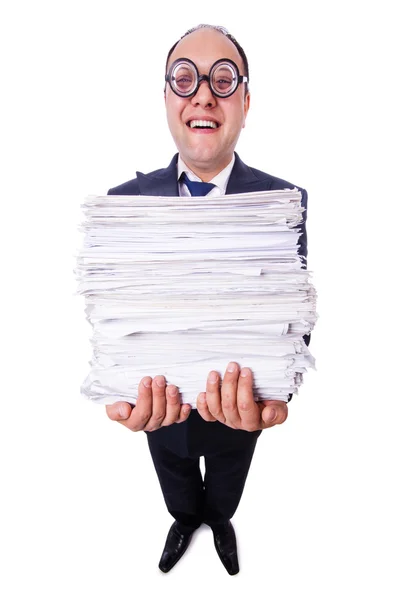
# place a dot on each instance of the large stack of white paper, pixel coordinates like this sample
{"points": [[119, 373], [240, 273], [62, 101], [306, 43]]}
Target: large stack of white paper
{"points": [[181, 286]]}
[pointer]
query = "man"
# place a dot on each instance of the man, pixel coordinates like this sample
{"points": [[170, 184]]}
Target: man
{"points": [[207, 101]]}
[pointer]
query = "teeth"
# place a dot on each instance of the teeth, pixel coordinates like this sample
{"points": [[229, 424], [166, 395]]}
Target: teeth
{"points": [[203, 124]]}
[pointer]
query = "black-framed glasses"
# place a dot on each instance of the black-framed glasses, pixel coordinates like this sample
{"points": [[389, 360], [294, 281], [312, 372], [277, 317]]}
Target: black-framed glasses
{"points": [[223, 79]]}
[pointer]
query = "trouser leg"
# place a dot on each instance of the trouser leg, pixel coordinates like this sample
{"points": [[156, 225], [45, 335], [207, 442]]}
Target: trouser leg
{"points": [[181, 483], [225, 476]]}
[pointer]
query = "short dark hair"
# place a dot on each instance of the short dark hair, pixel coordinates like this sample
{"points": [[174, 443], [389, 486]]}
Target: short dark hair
{"points": [[225, 32]]}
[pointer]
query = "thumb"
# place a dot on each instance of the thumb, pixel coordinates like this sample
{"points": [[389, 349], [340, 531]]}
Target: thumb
{"points": [[119, 411], [269, 416]]}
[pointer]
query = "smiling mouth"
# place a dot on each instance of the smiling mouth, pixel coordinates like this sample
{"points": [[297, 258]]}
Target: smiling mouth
{"points": [[196, 124]]}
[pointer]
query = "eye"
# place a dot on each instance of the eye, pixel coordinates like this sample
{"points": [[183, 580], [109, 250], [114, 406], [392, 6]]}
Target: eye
{"points": [[184, 84], [223, 83], [183, 79], [223, 78]]}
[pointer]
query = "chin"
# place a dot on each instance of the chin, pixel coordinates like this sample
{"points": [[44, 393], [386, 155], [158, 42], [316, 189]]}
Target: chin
{"points": [[202, 155]]}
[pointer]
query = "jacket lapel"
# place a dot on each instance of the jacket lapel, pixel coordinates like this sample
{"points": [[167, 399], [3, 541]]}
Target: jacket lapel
{"points": [[244, 179], [163, 182]]}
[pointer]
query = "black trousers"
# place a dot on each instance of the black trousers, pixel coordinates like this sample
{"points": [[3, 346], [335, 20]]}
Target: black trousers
{"points": [[176, 452]]}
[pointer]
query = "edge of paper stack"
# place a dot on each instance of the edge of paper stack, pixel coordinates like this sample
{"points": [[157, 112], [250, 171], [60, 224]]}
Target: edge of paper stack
{"points": [[179, 287]]}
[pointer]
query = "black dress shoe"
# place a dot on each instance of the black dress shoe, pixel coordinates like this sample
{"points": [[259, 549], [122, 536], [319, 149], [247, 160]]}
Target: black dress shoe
{"points": [[226, 546], [178, 539]]}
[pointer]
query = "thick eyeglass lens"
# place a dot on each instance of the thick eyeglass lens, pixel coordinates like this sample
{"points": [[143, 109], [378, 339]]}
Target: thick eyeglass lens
{"points": [[183, 78], [224, 79]]}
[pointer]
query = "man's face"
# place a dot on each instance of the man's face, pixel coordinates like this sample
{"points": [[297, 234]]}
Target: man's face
{"points": [[206, 150]]}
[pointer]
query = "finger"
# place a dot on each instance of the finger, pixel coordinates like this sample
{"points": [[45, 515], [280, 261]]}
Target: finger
{"points": [[143, 408], [213, 396], [159, 404], [119, 411], [173, 405], [229, 395], [249, 411], [274, 413], [202, 408], [184, 413]]}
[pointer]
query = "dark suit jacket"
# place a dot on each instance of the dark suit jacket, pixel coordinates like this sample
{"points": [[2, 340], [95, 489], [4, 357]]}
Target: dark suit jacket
{"points": [[163, 182]]}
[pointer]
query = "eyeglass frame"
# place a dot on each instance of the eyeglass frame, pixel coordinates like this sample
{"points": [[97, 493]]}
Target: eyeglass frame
{"points": [[207, 78]]}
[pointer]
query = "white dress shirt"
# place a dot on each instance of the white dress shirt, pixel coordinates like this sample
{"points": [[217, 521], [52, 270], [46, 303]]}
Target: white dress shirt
{"points": [[220, 181]]}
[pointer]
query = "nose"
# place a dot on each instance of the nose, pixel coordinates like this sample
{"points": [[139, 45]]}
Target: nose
{"points": [[204, 96]]}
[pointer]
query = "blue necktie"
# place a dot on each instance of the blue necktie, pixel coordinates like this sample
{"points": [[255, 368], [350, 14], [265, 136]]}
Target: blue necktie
{"points": [[196, 188]]}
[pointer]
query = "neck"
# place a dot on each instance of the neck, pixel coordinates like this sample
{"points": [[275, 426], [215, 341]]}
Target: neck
{"points": [[204, 171]]}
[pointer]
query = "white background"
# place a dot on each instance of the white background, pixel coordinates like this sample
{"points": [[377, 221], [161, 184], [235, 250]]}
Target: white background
{"points": [[82, 110]]}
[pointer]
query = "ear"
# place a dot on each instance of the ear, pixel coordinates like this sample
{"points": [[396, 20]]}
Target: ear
{"points": [[247, 102]]}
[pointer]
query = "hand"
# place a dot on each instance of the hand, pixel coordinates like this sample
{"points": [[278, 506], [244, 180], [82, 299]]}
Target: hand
{"points": [[232, 402], [157, 405]]}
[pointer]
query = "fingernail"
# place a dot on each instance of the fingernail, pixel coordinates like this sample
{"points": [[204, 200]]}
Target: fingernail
{"points": [[201, 398], [272, 415], [172, 390], [231, 367], [122, 412], [160, 381], [147, 382], [245, 372], [186, 408], [213, 377]]}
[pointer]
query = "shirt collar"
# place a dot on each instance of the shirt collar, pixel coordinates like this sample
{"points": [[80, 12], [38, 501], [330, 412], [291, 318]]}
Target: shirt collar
{"points": [[220, 180]]}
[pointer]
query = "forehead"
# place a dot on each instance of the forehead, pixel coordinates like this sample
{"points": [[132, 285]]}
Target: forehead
{"points": [[204, 47]]}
